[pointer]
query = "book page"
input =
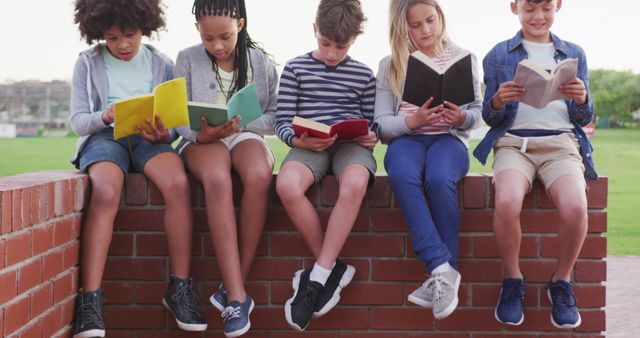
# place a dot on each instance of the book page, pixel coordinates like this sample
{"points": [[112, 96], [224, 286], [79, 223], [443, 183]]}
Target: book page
{"points": [[171, 103], [540, 90], [131, 113], [245, 103], [317, 129]]}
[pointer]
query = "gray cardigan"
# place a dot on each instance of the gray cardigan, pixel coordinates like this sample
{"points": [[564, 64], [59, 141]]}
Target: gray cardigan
{"points": [[89, 91], [389, 125], [194, 64]]}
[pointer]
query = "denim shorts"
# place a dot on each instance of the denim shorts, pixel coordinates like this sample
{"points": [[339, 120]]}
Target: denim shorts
{"points": [[131, 152]]}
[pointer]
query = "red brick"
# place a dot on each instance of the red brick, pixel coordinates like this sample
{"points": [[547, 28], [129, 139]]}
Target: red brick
{"points": [[487, 295], [133, 318], [5, 212], [305, 334], [118, 292], [597, 221], [16, 210], [150, 293], [384, 220], [62, 288], [62, 198], [34, 330], [593, 247], [135, 269], [41, 299], [18, 248], [68, 305], [480, 270], [540, 220], [26, 208], [486, 247], [205, 268], [288, 244], [412, 318], [63, 232], [374, 246], [470, 320], [591, 271], [476, 221], [151, 244], [597, 193], [29, 275], [370, 335], [139, 219], [71, 256], [273, 269], [121, 244], [475, 192], [135, 190], [42, 238], [51, 200], [3, 253], [16, 315], [538, 270], [380, 194], [52, 322], [52, 264], [342, 318], [372, 294], [43, 193], [8, 285], [330, 189], [277, 220], [465, 247], [35, 204], [592, 321], [397, 270]]}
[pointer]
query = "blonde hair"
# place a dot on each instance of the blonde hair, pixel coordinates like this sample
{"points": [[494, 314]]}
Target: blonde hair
{"points": [[401, 43]]}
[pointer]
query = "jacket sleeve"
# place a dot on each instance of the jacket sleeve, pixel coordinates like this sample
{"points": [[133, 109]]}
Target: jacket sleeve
{"points": [[493, 117], [473, 110], [85, 118], [387, 123], [183, 68], [265, 123], [583, 113]]}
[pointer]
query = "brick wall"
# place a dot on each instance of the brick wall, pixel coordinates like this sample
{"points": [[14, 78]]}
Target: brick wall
{"points": [[374, 305]]}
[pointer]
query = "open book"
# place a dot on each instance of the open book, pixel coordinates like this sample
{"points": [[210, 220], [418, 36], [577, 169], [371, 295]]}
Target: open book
{"points": [[424, 80], [244, 103], [168, 101], [346, 130], [542, 86]]}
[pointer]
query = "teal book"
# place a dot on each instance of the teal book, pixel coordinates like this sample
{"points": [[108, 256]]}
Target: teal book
{"points": [[244, 103]]}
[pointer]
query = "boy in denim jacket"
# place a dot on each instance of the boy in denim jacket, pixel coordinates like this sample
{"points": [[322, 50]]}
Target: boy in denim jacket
{"points": [[529, 143]]}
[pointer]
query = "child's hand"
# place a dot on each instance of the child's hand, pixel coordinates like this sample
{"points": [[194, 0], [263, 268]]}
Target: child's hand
{"points": [[507, 92], [109, 115], [157, 134], [210, 134], [575, 90], [452, 114], [424, 116], [306, 141], [368, 141]]}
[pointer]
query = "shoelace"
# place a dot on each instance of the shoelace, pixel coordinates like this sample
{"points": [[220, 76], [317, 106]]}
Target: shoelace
{"points": [[230, 313], [89, 314], [186, 293], [436, 283], [512, 294], [565, 296]]}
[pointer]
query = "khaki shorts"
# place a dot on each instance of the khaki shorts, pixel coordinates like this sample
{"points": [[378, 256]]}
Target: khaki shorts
{"points": [[334, 160], [547, 158]]}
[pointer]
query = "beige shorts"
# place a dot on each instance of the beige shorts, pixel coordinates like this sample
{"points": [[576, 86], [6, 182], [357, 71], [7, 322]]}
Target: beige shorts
{"points": [[231, 141], [546, 158]]}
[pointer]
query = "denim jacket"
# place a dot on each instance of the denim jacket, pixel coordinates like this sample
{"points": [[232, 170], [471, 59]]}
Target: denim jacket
{"points": [[500, 66]]}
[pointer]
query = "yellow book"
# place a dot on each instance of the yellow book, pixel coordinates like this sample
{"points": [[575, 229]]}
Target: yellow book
{"points": [[168, 101]]}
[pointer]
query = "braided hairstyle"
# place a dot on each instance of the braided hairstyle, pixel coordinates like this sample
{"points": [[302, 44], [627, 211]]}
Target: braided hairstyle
{"points": [[235, 9]]}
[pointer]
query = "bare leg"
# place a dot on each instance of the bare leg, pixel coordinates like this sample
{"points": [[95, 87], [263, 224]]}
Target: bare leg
{"points": [[293, 181], [352, 188], [254, 165], [166, 171], [106, 187], [511, 187], [569, 195], [211, 165]]}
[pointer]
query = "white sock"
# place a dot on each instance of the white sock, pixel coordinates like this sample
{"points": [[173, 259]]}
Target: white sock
{"points": [[319, 274], [441, 268]]}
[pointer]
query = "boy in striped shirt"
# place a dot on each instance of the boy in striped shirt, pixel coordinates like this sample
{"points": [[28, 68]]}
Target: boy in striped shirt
{"points": [[326, 86]]}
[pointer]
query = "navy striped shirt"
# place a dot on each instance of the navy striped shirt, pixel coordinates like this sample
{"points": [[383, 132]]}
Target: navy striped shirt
{"points": [[311, 89]]}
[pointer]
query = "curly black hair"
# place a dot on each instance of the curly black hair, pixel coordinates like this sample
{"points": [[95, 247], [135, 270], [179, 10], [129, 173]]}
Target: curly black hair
{"points": [[94, 17]]}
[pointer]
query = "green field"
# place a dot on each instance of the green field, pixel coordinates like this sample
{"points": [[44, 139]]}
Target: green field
{"points": [[617, 156]]}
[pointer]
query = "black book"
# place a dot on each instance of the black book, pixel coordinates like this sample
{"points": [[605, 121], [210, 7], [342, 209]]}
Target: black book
{"points": [[453, 84]]}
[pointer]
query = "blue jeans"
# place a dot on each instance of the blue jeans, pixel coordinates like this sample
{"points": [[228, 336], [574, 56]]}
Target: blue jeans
{"points": [[435, 164]]}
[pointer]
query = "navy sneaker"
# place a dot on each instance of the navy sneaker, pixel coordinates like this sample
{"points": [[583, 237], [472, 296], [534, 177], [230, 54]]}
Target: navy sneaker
{"points": [[564, 314], [299, 308], [510, 308], [88, 315], [181, 301], [341, 275], [236, 317], [219, 298]]}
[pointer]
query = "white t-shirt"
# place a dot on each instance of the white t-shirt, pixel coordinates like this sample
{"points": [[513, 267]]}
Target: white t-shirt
{"points": [[226, 78]]}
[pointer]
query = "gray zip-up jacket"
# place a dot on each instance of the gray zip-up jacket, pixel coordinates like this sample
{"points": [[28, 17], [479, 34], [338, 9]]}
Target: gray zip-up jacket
{"points": [[194, 64], [390, 125], [89, 91]]}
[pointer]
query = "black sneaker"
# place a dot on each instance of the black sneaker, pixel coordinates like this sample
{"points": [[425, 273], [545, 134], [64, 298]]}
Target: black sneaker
{"points": [[182, 303], [299, 308], [88, 315], [564, 313], [340, 277]]}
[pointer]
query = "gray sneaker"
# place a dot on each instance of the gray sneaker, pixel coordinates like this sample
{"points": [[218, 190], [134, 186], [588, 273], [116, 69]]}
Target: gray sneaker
{"points": [[423, 295], [219, 298], [236, 317], [445, 292]]}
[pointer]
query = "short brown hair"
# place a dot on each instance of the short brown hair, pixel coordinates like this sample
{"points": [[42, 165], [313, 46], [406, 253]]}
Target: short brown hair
{"points": [[340, 20], [95, 17]]}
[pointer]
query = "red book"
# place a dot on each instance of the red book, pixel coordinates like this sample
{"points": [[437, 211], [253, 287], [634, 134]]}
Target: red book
{"points": [[346, 130]]}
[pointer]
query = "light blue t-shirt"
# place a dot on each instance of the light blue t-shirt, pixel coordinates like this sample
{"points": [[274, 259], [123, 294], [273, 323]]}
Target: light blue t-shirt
{"points": [[128, 78]]}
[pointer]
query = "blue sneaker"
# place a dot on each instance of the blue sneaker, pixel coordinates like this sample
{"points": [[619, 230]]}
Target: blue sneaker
{"points": [[564, 314], [236, 317], [510, 308], [219, 298]]}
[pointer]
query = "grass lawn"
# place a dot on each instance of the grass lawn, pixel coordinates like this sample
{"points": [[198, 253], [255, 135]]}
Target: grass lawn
{"points": [[617, 155]]}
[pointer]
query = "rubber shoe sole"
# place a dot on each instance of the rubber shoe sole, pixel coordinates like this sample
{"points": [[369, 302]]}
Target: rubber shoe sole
{"points": [[495, 314], [245, 329], [185, 326], [90, 334], [287, 305]]}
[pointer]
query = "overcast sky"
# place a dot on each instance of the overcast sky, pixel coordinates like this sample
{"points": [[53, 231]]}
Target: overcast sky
{"points": [[39, 40]]}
